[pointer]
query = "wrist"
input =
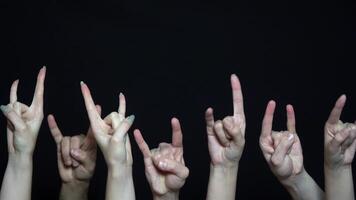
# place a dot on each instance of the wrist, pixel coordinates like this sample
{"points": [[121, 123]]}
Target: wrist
{"points": [[167, 196], [120, 172], [224, 174], [20, 161], [224, 168], [336, 170], [77, 190], [81, 185], [294, 181]]}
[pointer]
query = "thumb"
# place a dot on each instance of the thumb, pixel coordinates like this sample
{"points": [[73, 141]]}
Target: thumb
{"points": [[172, 166]]}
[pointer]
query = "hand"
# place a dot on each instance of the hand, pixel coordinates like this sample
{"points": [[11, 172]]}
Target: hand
{"points": [[226, 139], [111, 132], [164, 166], [24, 122], [76, 155], [282, 150], [340, 138]]}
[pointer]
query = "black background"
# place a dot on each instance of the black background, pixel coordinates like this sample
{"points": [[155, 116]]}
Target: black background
{"points": [[174, 58]]}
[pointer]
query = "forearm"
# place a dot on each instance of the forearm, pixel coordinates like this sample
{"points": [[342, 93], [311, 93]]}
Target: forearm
{"points": [[120, 184], [303, 187], [74, 191], [17, 180], [222, 182], [339, 183]]}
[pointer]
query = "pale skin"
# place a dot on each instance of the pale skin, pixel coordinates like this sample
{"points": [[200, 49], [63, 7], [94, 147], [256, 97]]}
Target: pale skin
{"points": [[76, 157], [111, 135], [283, 153], [24, 123], [164, 166], [339, 151], [226, 141]]}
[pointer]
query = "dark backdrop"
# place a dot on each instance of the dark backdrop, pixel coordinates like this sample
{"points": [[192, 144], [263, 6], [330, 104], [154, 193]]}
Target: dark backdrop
{"points": [[174, 58]]}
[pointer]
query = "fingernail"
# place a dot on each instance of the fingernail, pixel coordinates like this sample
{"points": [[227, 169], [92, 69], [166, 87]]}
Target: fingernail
{"points": [[121, 94], [4, 108], [290, 137], [131, 118], [162, 164], [74, 152], [82, 83], [75, 164]]}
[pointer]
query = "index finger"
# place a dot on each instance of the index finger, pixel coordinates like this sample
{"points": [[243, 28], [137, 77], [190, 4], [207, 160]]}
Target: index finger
{"points": [[89, 141], [177, 136], [290, 119], [13, 91], [93, 113], [53, 127], [142, 144], [237, 95], [268, 119], [37, 100], [336, 111]]}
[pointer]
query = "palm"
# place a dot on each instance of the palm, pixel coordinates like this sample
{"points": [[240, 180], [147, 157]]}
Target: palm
{"points": [[71, 174], [338, 155], [231, 152], [33, 123], [293, 162], [163, 182], [120, 152]]}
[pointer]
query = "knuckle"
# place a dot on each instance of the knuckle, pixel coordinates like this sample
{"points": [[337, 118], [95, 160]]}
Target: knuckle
{"points": [[217, 124]]}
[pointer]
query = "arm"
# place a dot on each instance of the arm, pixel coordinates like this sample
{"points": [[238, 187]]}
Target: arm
{"points": [[164, 166], [226, 141], [340, 146], [111, 136], [76, 158], [22, 130], [283, 153]]}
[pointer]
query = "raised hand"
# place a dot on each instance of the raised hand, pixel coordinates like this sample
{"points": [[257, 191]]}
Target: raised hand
{"points": [[76, 155], [110, 132], [283, 153], [282, 150], [340, 138], [164, 166], [339, 151], [226, 141], [111, 135], [226, 138], [24, 121]]}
